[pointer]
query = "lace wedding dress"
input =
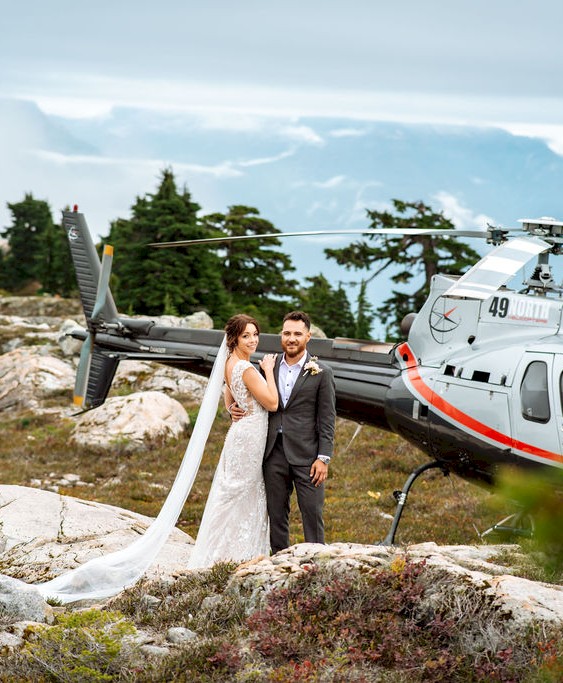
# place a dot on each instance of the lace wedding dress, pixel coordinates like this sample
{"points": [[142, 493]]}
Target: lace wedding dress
{"points": [[102, 577], [235, 520]]}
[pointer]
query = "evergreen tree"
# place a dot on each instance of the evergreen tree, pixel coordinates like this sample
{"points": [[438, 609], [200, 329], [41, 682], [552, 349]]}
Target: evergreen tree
{"points": [[328, 308], [2, 269], [29, 259], [415, 255], [255, 273], [364, 314], [147, 279], [38, 255], [63, 277]]}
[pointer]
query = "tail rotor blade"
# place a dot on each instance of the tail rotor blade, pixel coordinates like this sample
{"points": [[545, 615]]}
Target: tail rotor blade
{"points": [[81, 382], [83, 371], [103, 281]]}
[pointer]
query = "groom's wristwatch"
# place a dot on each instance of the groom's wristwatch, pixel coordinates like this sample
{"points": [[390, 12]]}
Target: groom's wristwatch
{"points": [[324, 458]]}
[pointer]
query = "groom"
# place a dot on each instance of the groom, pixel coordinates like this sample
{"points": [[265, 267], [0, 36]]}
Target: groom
{"points": [[300, 435]]}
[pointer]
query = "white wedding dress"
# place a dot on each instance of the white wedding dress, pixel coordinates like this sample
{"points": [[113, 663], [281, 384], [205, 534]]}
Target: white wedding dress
{"points": [[235, 520], [107, 575]]}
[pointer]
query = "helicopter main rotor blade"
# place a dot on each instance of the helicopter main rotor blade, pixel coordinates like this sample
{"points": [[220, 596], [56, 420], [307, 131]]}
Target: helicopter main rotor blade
{"points": [[496, 268], [279, 235]]}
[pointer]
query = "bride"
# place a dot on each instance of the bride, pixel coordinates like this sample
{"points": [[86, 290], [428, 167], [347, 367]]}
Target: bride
{"points": [[235, 524], [235, 520]]}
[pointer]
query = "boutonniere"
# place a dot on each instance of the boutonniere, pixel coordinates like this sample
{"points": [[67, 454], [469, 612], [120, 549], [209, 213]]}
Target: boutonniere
{"points": [[312, 366]]}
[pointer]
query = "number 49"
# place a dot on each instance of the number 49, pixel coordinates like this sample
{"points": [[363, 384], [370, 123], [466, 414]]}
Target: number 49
{"points": [[499, 306]]}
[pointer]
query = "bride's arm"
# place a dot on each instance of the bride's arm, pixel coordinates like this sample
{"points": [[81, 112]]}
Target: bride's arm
{"points": [[265, 394]]}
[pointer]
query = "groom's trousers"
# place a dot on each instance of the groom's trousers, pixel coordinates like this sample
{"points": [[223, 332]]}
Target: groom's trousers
{"points": [[280, 478]]}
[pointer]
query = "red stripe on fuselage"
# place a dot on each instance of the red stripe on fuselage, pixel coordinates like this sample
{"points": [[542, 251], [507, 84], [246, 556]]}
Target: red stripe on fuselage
{"points": [[464, 420]]}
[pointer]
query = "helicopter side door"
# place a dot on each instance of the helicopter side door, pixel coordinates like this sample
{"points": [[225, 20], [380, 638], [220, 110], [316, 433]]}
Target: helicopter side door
{"points": [[536, 409]]}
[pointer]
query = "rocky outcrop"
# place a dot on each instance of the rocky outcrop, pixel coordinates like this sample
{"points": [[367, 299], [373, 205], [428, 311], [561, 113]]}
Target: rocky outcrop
{"points": [[45, 306], [29, 377], [43, 534], [38, 370], [145, 376], [454, 568], [137, 421]]}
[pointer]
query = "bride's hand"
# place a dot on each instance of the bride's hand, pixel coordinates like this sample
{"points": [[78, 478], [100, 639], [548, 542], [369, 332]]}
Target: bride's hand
{"points": [[268, 362]]}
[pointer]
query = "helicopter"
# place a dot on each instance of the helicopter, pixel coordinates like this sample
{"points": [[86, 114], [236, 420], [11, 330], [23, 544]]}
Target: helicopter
{"points": [[477, 383]]}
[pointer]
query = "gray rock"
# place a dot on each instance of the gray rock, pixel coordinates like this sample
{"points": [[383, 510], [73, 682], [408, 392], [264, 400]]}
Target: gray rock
{"points": [[154, 651], [199, 320], [458, 570], [150, 602], [52, 306], [134, 422], [22, 602], [69, 346], [211, 601], [28, 376], [316, 332], [44, 534], [178, 634], [9, 642], [146, 376]]}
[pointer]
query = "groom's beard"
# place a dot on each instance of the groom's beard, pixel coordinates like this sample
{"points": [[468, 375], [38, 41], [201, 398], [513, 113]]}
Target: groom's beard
{"points": [[295, 351]]}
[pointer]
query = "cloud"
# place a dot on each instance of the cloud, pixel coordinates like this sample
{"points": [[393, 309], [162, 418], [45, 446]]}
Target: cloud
{"points": [[302, 134], [347, 133], [329, 184], [461, 216], [73, 107], [322, 207], [260, 161], [223, 170], [248, 106], [551, 134]]}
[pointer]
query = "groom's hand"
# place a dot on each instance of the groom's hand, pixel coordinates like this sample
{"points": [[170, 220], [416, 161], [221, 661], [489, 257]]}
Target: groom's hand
{"points": [[236, 412], [319, 472]]}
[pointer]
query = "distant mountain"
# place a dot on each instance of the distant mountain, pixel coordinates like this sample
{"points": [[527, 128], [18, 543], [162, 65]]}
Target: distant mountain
{"points": [[323, 172], [24, 126]]}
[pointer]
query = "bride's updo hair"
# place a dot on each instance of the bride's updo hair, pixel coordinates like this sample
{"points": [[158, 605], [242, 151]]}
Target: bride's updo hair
{"points": [[236, 326]]}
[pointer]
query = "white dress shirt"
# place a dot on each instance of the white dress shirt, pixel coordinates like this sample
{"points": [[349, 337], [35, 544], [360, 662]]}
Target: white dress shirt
{"points": [[288, 375]]}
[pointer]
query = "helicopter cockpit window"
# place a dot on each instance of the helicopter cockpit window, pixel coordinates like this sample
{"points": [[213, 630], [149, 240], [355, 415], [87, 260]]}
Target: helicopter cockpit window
{"points": [[533, 393]]}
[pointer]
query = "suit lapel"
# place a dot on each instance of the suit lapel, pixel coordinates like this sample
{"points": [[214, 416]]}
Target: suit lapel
{"points": [[277, 378]]}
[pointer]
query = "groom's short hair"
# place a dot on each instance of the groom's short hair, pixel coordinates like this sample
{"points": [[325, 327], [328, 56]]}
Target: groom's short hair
{"points": [[298, 315]]}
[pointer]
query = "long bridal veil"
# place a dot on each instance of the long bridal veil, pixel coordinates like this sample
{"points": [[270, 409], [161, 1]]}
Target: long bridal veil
{"points": [[105, 576]]}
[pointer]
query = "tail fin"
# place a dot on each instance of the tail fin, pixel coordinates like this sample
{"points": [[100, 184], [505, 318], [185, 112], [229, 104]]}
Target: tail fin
{"points": [[87, 266], [96, 369], [101, 373]]}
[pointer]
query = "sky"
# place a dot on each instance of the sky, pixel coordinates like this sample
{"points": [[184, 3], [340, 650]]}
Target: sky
{"points": [[478, 60], [236, 64]]}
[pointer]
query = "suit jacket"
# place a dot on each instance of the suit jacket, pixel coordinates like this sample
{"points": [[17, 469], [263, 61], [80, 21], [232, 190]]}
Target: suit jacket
{"points": [[307, 421]]}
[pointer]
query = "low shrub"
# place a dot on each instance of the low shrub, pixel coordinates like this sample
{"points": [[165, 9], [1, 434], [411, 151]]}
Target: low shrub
{"points": [[89, 646], [380, 622], [181, 602]]}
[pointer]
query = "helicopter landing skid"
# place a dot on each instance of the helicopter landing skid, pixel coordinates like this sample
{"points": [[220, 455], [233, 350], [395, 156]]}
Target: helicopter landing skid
{"points": [[520, 524], [401, 496]]}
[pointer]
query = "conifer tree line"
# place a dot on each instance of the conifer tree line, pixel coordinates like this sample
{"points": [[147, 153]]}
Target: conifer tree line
{"points": [[250, 276]]}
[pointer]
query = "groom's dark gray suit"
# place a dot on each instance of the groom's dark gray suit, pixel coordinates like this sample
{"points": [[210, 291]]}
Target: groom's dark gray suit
{"points": [[297, 433]]}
